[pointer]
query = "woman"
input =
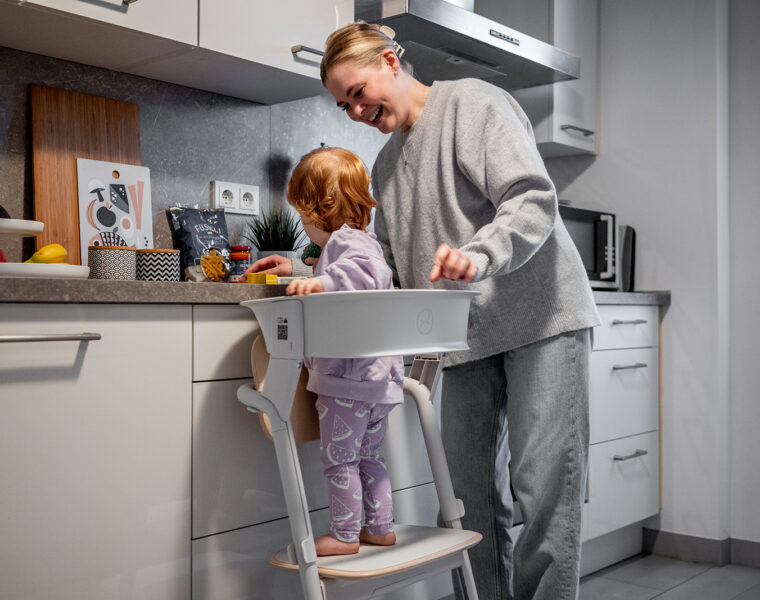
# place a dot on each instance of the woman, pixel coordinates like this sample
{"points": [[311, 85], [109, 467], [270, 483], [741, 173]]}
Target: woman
{"points": [[464, 198]]}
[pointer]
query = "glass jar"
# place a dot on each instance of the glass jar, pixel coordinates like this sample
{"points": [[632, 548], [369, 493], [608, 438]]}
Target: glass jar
{"points": [[240, 258]]}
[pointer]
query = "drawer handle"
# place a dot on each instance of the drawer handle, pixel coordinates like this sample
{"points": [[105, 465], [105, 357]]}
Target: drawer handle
{"points": [[635, 454], [629, 322], [301, 48], [53, 337], [637, 365], [585, 132]]}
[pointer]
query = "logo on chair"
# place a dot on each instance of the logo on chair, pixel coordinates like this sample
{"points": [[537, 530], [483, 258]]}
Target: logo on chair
{"points": [[425, 321]]}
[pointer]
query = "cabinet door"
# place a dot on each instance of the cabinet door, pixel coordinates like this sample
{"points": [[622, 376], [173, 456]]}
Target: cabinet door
{"points": [[95, 453], [171, 19], [623, 393], [623, 483], [234, 565], [264, 32], [236, 482], [564, 115]]}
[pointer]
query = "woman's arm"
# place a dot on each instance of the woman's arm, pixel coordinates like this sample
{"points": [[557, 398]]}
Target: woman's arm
{"points": [[496, 151]]}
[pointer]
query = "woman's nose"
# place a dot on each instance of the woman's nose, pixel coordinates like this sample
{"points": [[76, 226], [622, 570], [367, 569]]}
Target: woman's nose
{"points": [[355, 112]]}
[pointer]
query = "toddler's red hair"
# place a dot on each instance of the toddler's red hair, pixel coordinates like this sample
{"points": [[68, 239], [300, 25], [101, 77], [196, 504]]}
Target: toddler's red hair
{"points": [[330, 186]]}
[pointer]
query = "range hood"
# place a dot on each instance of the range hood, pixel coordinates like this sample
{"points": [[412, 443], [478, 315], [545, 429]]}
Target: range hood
{"points": [[445, 41]]}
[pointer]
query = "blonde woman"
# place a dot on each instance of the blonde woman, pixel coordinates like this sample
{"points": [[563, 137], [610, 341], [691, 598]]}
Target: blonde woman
{"points": [[464, 199]]}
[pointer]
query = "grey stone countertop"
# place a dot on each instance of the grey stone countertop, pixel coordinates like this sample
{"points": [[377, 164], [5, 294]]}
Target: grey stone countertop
{"points": [[658, 298], [13, 289], [104, 291]]}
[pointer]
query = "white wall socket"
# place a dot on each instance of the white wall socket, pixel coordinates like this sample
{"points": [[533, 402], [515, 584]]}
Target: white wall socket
{"points": [[235, 197], [225, 195], [249, 199]]}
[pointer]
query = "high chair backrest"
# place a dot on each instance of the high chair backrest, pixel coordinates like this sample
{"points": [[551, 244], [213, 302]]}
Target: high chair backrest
{"points": [[303, 415]]}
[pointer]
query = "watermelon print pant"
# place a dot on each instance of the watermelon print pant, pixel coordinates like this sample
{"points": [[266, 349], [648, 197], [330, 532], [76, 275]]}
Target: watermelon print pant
{"points": [[351, 433]]}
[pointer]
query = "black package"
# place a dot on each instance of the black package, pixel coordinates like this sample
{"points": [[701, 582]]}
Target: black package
{"points": [[200, 234]]}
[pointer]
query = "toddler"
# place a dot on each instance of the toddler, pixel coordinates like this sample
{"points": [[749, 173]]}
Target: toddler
{"points": [[330, 190]]}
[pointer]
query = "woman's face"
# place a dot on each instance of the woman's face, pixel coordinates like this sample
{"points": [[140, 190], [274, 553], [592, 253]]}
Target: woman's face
{"points": [[369, 94]]}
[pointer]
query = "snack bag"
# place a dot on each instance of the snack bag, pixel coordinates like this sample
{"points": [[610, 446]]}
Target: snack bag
{"points": [[200, 234]]}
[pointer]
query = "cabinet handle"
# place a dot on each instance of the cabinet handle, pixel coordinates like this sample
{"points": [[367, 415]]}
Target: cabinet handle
{"points": [[637, 365], [629, 322], [53, 337], [585, 132], [635, 454], [300, 48], [128, 1]]}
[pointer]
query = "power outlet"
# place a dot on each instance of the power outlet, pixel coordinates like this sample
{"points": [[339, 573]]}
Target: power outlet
{"points": [[249, 199], [225, 195]]}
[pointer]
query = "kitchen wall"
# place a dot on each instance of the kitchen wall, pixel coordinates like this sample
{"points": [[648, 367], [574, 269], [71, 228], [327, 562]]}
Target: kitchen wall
{"points": [[680, 131], [187, 138], [744, 130]]}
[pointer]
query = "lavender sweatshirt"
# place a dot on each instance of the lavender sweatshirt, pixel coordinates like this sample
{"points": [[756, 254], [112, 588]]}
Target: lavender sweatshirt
{"points": [[353, 260]]}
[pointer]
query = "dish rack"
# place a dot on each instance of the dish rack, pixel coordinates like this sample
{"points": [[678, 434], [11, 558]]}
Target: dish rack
{"points": [[362, 324]]}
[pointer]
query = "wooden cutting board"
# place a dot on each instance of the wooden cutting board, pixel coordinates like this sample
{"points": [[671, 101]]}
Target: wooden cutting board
{"points": [[66, 126]]}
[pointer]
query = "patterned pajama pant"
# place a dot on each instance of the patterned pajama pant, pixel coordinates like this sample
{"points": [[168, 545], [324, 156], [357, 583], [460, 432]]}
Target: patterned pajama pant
{"points": [[351, 433]]}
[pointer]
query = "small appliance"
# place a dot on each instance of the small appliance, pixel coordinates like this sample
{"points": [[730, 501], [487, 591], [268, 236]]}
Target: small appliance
{"points": [[595, 235]]}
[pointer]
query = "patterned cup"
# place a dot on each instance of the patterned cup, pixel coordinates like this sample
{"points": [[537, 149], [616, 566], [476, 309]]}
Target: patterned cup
{"points": [[112, 262], [161, 264]]}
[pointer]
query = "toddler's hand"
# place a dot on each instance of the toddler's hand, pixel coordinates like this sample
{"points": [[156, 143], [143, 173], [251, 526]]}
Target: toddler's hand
{"points": [[301, 287], [451, 263]]}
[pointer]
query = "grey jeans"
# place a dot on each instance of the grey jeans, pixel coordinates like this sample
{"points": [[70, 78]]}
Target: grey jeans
{"points": [[538, 394]]}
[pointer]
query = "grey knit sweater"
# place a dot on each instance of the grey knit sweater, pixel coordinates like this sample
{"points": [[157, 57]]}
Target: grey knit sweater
{"points": [[468, 174]]}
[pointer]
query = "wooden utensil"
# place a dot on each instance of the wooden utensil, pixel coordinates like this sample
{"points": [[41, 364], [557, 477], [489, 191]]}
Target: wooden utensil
{"points": [[66, 126]]}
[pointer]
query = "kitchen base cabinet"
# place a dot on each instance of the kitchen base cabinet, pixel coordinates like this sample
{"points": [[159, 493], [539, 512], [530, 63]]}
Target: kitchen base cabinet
{"points": [[624, 422], [234, 565], [95, 453]]}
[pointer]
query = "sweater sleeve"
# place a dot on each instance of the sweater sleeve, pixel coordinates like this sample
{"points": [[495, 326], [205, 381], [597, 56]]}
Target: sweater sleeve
{"points": [[496, 151], [354, 267], [301, 269]]}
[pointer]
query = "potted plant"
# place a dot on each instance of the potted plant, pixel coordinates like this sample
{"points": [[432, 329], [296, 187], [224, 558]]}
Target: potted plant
{"points": [[277, 232]]}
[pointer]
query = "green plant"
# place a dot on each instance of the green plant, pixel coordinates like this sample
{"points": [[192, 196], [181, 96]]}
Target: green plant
{"points": [[280, 229]]}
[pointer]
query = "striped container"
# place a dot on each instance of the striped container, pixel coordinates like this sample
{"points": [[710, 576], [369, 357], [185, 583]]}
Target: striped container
{"points": [[160, 264], [112, 262]]}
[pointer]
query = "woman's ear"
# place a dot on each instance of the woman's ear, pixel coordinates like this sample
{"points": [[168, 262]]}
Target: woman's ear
{"points": [[390, 60]]}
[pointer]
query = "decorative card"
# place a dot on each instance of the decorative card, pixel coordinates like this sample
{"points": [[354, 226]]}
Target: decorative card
{"points": [[114, 205]]}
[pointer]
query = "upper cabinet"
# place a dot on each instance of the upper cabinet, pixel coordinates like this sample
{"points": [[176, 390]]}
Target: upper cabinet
{"points": [[102, 33], [240, 48], [264, 32], [255, 39], [564, 115], [170, 19]]}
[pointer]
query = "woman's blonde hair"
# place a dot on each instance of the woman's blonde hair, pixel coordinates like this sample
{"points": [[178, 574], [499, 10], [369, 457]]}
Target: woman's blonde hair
{"points": [[330, 186], [360, 42]]}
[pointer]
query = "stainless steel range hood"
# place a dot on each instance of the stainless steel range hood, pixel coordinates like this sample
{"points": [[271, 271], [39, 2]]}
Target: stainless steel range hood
{"points": [[445, 41]]}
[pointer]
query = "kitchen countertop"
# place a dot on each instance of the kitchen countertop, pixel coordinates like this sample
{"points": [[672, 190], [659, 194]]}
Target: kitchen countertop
{"points": [[180, 292]]}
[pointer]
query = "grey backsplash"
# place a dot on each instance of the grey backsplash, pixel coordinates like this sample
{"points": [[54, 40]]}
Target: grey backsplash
{"points": [[187, 138]]}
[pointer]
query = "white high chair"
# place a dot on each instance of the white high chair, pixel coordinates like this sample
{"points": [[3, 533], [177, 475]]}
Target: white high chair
{"points": [[364, 324]]}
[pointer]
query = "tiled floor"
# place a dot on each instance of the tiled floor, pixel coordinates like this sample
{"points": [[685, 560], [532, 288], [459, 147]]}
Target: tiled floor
{"points": [[646, 577]]}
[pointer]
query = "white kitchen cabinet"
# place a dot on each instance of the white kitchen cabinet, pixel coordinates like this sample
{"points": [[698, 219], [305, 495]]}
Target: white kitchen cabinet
{"points": [[95, 453], [623, 483], [234, 564], [624, 415], [564, 115], [264, 32], [170, 19], [102, 33]]}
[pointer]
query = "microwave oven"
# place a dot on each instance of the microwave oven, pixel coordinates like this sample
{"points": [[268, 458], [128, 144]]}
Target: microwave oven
{"points": [[595, 236]]}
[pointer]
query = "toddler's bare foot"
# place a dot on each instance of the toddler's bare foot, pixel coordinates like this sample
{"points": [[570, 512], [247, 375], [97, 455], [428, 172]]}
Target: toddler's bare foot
{"points": [[327, 545], [383, 539]]}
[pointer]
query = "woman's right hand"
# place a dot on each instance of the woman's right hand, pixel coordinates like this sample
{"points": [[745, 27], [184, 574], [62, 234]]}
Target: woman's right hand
{"points": [[273, 264]]}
